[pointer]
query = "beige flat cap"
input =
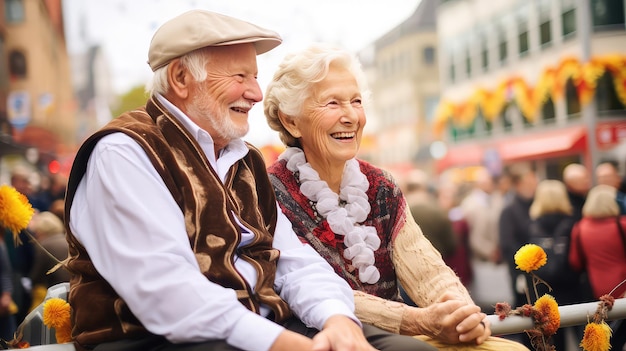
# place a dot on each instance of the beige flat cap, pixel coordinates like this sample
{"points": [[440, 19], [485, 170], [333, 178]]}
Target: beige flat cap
{"points": [[200, 28]]}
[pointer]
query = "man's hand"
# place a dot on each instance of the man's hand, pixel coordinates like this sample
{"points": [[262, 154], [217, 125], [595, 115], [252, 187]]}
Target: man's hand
{"points": [[450, 320], [288, 340], [341, 333]]}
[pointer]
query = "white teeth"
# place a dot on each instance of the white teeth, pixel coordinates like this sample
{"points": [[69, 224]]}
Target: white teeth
{"points": [[343, 135]]}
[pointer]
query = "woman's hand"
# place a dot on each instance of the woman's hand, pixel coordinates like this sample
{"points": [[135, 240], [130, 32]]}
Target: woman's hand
{"points": [[340, 333], [450, 320]]}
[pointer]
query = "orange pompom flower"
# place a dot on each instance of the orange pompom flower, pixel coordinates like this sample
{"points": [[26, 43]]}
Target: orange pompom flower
{"points": [[597, 337], [56, 314], [530, 257], [15, 210], [549, 316]]}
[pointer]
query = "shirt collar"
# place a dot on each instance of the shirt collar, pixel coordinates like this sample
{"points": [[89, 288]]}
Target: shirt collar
{"points": [[234, 151]]}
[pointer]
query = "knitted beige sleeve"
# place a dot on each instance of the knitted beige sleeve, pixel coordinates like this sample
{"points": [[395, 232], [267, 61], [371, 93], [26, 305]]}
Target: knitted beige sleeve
{"points": [[421, 270], [379, 312]]}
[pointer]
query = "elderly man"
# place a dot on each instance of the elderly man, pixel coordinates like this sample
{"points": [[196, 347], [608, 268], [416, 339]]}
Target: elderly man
{"points": [[175, 239]]}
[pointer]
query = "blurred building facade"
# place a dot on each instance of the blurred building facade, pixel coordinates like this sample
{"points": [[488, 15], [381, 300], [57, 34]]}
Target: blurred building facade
{"points": [[37, 105], [542, 81], [403, 75], [94, 91]]}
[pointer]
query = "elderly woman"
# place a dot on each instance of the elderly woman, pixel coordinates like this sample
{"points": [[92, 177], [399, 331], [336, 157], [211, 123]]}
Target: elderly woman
{"points": [[354, 213]]}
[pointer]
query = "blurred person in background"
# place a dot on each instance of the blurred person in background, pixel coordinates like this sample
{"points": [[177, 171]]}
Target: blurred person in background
{"points": [[599, 248], [449, 198], [577, 180], [58, 208], [51, 188], [513, 229], [434, 221], [550, 227], [22, 181], [481, 209], [354, 213], [504, 186], [607, 173], [8, 308], [21, 256], [49, 231]]}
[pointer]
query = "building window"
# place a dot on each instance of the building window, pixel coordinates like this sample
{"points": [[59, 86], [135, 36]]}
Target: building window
{"points": [[503, 51], [484, 51], [548, 114], [502, 37], [429, 55], [545, 23], [451, 67], [468, 63], [507, 117], [452, 73], [572, 103], [568, 17], [522, 30], [17, 65], [607, 14], [14, 10], [606, 97]]}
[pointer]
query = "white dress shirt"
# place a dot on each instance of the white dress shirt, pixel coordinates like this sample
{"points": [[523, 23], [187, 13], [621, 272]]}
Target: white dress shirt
{"points": [[135, 234]]}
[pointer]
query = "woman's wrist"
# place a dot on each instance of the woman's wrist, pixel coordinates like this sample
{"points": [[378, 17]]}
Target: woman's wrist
{"points": [[411, 317]]}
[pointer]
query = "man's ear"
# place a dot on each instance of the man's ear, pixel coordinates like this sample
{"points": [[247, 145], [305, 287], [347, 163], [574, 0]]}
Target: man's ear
{"points": [[178, 78], [289, 123]]}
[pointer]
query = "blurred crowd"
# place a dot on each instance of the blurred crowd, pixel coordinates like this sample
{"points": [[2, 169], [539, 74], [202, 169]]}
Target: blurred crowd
{"points": [[24, 266], [479, 224]]}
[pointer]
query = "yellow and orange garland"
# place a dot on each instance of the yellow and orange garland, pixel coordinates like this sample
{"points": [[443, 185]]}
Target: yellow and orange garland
{"points": [[529, 99]]}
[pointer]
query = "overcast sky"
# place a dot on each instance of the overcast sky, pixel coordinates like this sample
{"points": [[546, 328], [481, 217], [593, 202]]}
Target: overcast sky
{"points": [[124, 28]]}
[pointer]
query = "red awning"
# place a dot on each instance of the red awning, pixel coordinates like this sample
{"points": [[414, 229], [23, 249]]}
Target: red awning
{"points": [[550, 144], [465, 155], [547, 145]]}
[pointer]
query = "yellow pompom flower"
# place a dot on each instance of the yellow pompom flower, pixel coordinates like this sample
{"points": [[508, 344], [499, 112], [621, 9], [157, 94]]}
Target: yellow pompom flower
{"points": [[56, 314], [15, 210], [530, 257], [548, 309], [597, 337]]}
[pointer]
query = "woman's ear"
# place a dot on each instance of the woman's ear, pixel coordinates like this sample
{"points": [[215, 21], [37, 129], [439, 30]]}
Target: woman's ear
{"points": [[290, 124], [178, 78]]}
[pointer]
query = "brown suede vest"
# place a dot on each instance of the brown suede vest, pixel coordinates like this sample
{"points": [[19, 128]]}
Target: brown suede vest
{"points": [[98, 313]]}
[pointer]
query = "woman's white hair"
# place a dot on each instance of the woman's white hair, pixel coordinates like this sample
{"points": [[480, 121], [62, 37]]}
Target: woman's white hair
{"points": [[195, 62], [293, 81]]}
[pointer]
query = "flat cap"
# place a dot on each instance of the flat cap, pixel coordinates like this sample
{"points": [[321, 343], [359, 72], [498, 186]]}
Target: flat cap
{"points": [[200, 28]]}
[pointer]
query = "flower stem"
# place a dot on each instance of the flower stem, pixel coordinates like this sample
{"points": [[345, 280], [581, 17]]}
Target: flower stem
{"points": [[33, 239], [535, 282], [617, 287]]}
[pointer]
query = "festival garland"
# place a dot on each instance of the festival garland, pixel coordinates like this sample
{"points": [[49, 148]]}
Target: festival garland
{"points": [[530, 99]]}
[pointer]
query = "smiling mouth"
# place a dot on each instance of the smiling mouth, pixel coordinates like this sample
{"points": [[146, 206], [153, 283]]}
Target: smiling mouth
{"points": [[240, 109], [343, 135]]}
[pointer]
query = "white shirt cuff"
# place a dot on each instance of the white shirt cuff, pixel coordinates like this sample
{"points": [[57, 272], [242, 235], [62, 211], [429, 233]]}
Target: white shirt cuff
{"points": [[317, 316], [254, 333]]}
